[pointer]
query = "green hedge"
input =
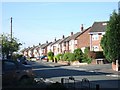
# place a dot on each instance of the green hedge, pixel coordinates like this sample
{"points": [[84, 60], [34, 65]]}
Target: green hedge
{"points": [[69, 57]]}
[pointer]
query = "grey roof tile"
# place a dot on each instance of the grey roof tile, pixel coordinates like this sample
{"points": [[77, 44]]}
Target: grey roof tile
{"points": [[99, 26]]}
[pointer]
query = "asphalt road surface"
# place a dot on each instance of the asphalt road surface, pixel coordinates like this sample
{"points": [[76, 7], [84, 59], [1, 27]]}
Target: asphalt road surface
{"points": [[101, 74]]}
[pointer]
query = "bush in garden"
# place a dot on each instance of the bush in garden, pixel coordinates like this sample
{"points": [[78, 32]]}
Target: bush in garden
{"points": [[86, 57], [58, 57], [69, 57], [50, 55], [66, 56], [78, 54]]}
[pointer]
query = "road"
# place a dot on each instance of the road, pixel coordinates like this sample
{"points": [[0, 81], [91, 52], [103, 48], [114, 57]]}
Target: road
{"points": [[101, 74]]}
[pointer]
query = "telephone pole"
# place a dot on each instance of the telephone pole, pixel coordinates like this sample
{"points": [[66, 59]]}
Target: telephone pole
{"points": [[11, 29]]}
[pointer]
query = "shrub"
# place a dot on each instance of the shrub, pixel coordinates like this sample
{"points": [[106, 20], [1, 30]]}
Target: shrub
{"points": [[66, 56], [58, 57], [87, 55], [69, 57], [86, 59], [50, 55], [78, 54]]}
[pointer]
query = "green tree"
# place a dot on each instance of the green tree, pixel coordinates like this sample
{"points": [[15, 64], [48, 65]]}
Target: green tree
{"points": [[86, 58], [58, 56], [111, 40], [78, 54], [50, 55], [9, 46], [69, 56]]}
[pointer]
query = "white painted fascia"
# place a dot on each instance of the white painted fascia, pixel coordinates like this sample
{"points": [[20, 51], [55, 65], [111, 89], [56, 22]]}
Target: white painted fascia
{"points": [[96, 33]]}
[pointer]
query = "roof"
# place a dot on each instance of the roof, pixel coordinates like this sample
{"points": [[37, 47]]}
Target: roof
{"points": [[73, 36], [55, 42], [62, 40], [99, 26], [45, 45], [76, 35]]}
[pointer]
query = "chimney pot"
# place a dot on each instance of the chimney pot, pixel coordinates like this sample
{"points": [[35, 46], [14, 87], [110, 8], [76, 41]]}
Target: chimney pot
{"points": [[46, 41], [63, 36], [55, 39], [71, 33], [81, 27]]}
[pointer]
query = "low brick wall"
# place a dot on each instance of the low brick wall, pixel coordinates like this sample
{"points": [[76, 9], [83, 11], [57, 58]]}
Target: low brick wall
{"points": [[78, 63], [72, 63], [63, 62]]}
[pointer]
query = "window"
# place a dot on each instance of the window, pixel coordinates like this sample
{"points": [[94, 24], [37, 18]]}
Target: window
{"points": [[75, 41], [95, 37], [95, 48]]}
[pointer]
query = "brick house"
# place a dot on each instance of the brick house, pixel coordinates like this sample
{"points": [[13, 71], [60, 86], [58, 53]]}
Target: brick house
{"points": [[30, 52], [83, 39], [25, 51], [73, 41], [62, 44], [44, 48], [54, 46], [36, 51], [96, 33]]}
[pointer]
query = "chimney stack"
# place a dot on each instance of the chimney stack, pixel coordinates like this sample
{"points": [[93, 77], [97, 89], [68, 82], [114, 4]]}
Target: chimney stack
{"points": [[81, 27], [63, 37], [46, 41], [71, 33], [55, 39]]}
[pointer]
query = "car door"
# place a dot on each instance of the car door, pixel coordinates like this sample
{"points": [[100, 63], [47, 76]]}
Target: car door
{"points": [[9, 72]]}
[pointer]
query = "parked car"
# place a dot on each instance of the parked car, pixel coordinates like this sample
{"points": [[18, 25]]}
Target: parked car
{"points": [[14, 72], [43, 57], [22, 60]]}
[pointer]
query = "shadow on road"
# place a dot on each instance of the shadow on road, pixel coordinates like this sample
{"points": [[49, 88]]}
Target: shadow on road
{"points": [[61, 72]]}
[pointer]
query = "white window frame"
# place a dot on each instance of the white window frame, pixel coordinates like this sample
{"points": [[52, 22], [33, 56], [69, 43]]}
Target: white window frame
{"points": [[95, 37], [95, 48]]}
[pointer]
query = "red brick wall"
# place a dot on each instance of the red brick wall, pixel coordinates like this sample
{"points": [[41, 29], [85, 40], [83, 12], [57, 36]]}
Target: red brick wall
{"points": [[97, 43], [83, 40]]}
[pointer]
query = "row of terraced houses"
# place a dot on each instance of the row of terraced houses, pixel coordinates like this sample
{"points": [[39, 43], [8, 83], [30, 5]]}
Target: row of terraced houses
{"points": [[89, 37]]}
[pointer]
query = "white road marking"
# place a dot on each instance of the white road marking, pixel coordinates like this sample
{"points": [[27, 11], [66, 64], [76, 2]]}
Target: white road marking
{"points": [[113, 75]]}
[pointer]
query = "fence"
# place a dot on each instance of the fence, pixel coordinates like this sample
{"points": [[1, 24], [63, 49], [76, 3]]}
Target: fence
{"points": [[84, 84]]}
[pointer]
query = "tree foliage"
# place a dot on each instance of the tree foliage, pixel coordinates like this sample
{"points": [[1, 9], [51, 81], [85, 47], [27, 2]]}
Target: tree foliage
{"points": [[111, 40], [58, 56], [69, 57], [86, 57], [50, 55], [78, 54], [9, 46]]}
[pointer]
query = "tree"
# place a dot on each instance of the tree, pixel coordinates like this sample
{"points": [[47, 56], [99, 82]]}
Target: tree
{"points": [[86, 56], [50, 55], [69, 57], [78, 54], [9, 46], [110, 41]]}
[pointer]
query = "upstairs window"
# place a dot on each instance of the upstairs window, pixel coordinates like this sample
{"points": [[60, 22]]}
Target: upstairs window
{"points": [[95, 37]]}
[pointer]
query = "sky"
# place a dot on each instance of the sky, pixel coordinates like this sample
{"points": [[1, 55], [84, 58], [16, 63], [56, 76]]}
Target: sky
{"points": [[38, 22]]}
